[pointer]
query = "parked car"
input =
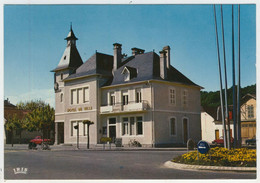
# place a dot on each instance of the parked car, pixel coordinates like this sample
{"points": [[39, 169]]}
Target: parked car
{"points": [[38, 141], [251, 141], [220, 141]]}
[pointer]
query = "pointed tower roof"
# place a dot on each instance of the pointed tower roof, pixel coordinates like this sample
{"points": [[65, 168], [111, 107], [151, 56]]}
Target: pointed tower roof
{"points": [[71, 35], [71, 58]]}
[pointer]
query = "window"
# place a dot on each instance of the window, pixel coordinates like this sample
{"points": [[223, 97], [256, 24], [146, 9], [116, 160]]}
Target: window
{"points": [[61, 97], [61, 76], [86, 94], [73, 96], [139, 125], [184, 98], [125, 97], [73, 130], [81, 128], [112, 121], [126, 75], [138, 95], [172, 96], [125, 126], [132, 125], [112, 98], [80, 95], [173, 126], [250, 110]]}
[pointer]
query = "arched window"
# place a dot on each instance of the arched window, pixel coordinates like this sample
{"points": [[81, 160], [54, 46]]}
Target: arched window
{"points": [[173, 126]]}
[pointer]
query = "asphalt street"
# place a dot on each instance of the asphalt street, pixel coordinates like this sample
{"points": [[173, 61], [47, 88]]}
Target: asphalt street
{"points": [[103, 165]]}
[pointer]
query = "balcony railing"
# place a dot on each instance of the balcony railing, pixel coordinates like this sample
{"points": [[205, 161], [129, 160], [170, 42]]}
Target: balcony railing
{"points": [[123, 107]]}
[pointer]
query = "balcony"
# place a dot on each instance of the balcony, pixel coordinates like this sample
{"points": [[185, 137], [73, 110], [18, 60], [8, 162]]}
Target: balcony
{"points": [[120, 107]]}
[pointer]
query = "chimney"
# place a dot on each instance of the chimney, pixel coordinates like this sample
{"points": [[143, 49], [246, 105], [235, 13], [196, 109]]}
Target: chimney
{"points": [[168, 61], [117, 55], [136, 51], [163, 69]]}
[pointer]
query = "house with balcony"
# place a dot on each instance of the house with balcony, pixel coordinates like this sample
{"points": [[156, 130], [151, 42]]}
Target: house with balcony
{"points": [[139, 97]]}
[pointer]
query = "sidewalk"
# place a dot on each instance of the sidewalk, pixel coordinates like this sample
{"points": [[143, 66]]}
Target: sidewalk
{"points": [[98, 147]]}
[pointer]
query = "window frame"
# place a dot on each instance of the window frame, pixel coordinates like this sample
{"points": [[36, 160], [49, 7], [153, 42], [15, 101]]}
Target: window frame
{"points": [[184, 97], [170, 126], [77, 95], [170, 96], [138, 95]]}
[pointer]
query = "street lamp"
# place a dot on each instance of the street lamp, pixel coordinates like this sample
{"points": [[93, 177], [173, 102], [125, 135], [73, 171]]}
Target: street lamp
{"points": [[88, 124], [77, 128]]}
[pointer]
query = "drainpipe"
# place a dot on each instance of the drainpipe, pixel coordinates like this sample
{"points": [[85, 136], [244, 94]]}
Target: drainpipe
{"points": [[153, 131]]}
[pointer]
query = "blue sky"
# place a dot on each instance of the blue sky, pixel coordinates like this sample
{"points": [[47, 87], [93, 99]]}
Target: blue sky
{"points": [[34, 41]]}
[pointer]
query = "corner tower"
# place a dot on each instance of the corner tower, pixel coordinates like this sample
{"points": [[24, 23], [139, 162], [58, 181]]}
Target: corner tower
{"points": [[69, 61]]}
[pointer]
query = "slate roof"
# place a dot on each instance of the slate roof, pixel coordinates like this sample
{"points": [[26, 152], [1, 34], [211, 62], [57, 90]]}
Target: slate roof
{"points": [[98, 63], [147, 66], [142, 67], [69, 59]]}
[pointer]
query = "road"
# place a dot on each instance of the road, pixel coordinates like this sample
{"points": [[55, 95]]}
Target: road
{"points": [[103, 165]]}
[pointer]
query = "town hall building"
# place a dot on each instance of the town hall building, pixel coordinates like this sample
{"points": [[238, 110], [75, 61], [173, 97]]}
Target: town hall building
{"points": [[140, 97]]}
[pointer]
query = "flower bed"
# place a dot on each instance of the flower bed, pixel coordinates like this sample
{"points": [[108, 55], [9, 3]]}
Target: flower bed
{"points": [[220, 156]]}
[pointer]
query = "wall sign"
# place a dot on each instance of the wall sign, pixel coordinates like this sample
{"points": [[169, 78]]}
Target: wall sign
{"points": [[79, 109]]}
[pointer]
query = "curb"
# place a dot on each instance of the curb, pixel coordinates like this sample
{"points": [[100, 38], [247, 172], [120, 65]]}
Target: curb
{"points": [[170, 164]]}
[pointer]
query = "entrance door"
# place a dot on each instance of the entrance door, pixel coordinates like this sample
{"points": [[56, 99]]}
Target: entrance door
{"points": [[112, 128], [112, 132], [60, 133], [216, 134], [185, 130]]}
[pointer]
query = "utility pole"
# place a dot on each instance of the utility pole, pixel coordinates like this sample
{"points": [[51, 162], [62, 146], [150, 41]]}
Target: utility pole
{"points": [[238, 86], [225, 73], [220, 81]]}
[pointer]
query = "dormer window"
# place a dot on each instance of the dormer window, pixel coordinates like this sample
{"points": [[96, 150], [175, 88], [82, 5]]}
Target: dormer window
{"points": [[64, 57], [129, 73], [126, 75]]}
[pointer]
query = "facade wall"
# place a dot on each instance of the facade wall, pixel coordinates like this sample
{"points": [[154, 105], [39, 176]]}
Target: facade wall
{"points": [[207, 127], [131, 110], [164, 110], [245, 116], [70, 113], [145, 138]]}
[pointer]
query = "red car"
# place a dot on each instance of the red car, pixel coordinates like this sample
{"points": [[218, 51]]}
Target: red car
{"points": [[220, 141], [38, 140]]}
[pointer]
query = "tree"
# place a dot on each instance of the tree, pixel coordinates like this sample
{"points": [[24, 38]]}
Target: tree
{"points": [[31, 105], [14, 123], [40, 118]]}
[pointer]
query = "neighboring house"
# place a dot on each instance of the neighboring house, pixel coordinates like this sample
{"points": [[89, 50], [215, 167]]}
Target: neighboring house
{"points": [[248, 116], [18, 136], [140, 97], [211, 120]]}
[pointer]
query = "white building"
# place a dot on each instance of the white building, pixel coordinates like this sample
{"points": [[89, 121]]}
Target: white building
{"points": [[139, 97]]}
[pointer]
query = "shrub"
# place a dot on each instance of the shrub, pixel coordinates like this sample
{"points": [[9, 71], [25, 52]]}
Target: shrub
{"points": [[220, 156]]}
